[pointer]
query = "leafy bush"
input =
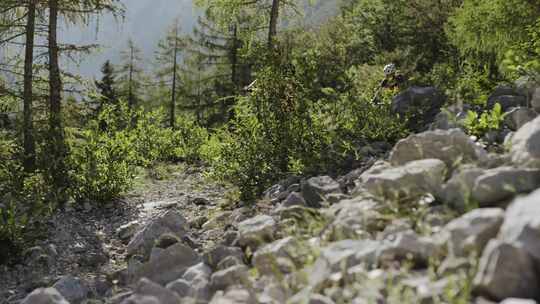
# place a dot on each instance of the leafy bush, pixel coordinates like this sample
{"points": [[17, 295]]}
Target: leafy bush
{"points": [[479, 124], [189, 138], [278, 130], [23, 203]]}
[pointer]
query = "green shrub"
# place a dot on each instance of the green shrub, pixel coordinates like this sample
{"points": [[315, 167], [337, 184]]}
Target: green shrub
{"points": [[189, 139], [278, 130], [23, 203], [479, 124], [103, 165]]}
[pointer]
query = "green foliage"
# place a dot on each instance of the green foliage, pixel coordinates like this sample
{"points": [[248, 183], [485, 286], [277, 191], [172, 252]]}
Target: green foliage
{"points": [[524, 58], [479, 124], [104, 159], [23, 203], [279, 130], [492, 26]]}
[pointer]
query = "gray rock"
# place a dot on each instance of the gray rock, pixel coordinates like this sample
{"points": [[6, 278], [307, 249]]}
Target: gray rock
{"points": [[507, 101], [518, 117], [472, 231], [411, 180], [199, 271], [525, 145], [45, 296], [198, 290], [168, 266], [453, 147], [73, 289], [294, 199], [229, 261], [535, 100], [269, 259], [170, 222], [319, 299], [220, 280], [256, 231], [217, 254], [127, 231], [409, 246], [518, 301], [457, 192], [503, 183], [146, 287], [340, 256], [521, 225], [444, 121], [506, 271], [195, 284], [315, 189], [138, 299], [181, 287], [420, 104], [356, 218], [233, 296]]}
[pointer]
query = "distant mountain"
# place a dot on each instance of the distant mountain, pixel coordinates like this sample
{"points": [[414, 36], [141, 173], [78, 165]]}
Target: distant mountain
{"points": [[146, 22]]}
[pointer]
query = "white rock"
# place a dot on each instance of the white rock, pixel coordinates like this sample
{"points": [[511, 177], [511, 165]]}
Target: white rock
{"points": [[45, 296], [506, 271], [411, 180], [451, 146]]}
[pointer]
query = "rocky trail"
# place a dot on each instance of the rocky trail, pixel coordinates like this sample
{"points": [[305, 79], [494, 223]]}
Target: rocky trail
{"points": [[441, 218], [90, 242]]}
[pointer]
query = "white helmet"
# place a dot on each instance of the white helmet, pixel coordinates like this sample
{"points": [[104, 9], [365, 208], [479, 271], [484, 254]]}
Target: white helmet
{"points": [[389, 69]]}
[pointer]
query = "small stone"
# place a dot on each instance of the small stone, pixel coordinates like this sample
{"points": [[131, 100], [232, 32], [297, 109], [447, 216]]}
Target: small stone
{"points": [[73, 289]]}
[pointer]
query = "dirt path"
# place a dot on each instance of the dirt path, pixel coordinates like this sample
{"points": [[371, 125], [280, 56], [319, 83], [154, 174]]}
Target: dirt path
{"points": [[84, 240]]}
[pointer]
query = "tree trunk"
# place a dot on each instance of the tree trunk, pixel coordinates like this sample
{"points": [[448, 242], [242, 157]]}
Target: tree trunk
{"points": [[274, 15], [56, 143], [175, 59], [131, 102], [28, 126], [234, 58]]}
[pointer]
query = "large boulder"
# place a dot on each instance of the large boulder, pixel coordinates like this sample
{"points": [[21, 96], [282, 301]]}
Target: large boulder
{"points": [[522, 225], [506, 271], [315, 190], [256, 231], [507, 101], [167, 266], [72, 289], [525, 145], [170, 222], [517, 117], [411, 180], [45, 296], [507, 96], [472, 231], [503, 183], [453, 147], [458, 191], [420, 105]]}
